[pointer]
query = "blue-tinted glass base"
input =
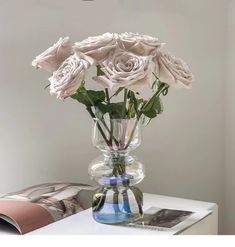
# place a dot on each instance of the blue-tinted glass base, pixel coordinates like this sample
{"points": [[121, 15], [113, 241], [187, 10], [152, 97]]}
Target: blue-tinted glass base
{"points": [[115, 214], [111, 218], [111, 214]]}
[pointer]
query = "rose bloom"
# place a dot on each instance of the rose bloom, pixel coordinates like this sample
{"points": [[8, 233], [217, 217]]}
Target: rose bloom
{"points": [[66, 80], [139, 44], [97, 47], [173, 71], [51, 59], [125, 69]]}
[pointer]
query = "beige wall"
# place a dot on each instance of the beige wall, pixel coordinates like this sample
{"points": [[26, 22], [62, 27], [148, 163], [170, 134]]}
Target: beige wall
{"points": [[43, 139]]}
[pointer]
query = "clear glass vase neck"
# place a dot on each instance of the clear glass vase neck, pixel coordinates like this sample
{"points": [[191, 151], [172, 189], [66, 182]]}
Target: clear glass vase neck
{"points": [[116, 135], [116, 153]]}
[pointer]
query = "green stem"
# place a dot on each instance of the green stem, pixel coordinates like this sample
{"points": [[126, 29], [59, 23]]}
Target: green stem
{"points": [[110, 117], [116, 93], [103, 121], [110, 131], [94, 116], [132, 134], [161, 88], [112, 138], [99, 199], [138, 197], [124, 103], [157, 94], [122, 141], [107, 95], [99, 127]]}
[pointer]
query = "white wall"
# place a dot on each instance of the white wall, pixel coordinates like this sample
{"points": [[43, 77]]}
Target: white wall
{"points": [[229, 164], [43, 139]]}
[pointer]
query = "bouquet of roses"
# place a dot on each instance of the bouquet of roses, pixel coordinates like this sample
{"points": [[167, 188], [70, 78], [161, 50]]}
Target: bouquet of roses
{"points": [[126, 63]]}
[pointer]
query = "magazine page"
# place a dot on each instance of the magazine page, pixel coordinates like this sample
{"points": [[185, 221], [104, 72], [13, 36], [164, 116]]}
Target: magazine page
{"points": [[172, 221], [43, 204]]}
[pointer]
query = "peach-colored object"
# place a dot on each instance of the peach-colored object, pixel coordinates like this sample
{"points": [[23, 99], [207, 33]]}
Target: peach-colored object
{"points": [[25, 222]]}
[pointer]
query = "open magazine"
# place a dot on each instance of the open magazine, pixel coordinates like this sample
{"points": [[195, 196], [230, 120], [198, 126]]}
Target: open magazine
{"points": [[43, 204], [171, 221]]}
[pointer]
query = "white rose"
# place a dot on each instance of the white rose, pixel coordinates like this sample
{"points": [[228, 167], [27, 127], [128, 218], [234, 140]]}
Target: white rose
{"points": [[97, 47], [66, 80], [125, 69], [139, 44], [173, 71], [51, 59]]}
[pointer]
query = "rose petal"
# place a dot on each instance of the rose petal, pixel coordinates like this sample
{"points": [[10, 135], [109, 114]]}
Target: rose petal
{"points": [[172, 70], [66, 80], [51, 59]]}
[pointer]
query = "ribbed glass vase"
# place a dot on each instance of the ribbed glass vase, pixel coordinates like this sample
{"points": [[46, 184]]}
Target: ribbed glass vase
{"points": [[117, 172]]}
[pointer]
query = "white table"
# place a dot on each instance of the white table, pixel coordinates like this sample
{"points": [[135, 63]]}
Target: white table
{"points": [[83, 223]]}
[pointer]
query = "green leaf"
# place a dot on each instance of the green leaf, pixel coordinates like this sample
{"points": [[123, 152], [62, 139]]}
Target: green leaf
{"points": [[154, 108], [82, 98], [114, 109], [131, 111], [151, 113], [134, 100], [157, 82], [158, 106], [101, 109], [149, 105], [88, 97], [99, 71], [96, 96], [134, 104]]}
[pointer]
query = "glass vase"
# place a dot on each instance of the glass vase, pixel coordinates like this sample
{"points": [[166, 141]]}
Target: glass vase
{"points": [[117, 172]]}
